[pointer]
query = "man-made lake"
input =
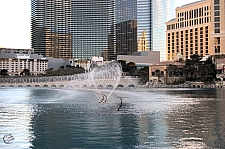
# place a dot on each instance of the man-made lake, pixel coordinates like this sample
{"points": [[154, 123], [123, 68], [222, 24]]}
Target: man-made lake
{"points": [[149, 118]]}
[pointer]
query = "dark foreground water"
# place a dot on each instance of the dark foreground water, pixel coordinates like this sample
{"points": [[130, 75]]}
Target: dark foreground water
{"points": [[150, 118]]}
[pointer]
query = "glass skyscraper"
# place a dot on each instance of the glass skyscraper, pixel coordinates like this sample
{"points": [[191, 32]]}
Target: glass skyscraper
{"points": [[72, 28], [92, 21], [133, 24], [51, 28], [80, 29]]}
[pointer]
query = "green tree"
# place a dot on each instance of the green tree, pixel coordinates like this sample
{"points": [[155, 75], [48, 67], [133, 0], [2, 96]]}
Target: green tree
{"points": [[64, 71], [207, 71], [191, 67], [197, 70], [143, 74], [26, 72], [122, 62], [4, 72], [175, 71], [131, 64], [172, 70], [130, 68]]}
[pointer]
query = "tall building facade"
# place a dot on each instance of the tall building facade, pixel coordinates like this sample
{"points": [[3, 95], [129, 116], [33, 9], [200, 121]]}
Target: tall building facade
{"points": [[80, 29], [51, 28], [198, 28], [163, 11], [133, 26], [75, 29], [92, 21], [16, 60]]}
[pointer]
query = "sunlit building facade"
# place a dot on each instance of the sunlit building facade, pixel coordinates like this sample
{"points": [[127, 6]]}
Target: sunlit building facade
{"points": [[16, 60], [163, 11], [197, 29], [143, 42]]}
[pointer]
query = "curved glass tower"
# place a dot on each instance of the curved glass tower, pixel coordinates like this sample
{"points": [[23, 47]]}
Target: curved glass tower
{"points": [[80, 29], [51, 28], [92, 23], [72, 28]]}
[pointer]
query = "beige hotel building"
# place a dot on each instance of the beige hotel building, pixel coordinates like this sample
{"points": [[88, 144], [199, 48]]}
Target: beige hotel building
{"points": [[199, 28]]}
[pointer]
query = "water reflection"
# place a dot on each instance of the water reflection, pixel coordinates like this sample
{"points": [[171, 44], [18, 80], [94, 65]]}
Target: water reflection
{"points": [[129, 131], [156, 118], [15, 117], [200, 124]]}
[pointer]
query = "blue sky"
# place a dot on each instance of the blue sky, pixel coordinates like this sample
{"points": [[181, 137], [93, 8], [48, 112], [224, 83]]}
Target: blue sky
{"points": [[15, 23]]}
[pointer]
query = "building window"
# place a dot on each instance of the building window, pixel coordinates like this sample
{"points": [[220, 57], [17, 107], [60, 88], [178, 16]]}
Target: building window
{"points": [[217, 13], [217, 49], [217, 19], [217, 40], [217, 25], [217, 30], [168, 27], [216, 7], [216, 2]]}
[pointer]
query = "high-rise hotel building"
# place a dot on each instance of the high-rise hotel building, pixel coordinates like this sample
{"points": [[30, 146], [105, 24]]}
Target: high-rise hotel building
{"points": [[51, 28], [75, 29], [133, 26], [163, 11], [199, 28], [80, 29]]}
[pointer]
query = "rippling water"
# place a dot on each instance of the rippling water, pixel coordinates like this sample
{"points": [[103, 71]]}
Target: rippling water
{"points": [[149, 118]]}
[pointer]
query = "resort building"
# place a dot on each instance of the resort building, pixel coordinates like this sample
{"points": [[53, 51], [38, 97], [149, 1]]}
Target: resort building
{"points": [[16, 60], [197, 29], [163, 11], [143, 42], [158, 72]]}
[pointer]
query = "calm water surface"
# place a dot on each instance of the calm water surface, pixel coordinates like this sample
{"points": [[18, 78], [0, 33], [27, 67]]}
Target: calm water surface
{"points": [[151, 118]]}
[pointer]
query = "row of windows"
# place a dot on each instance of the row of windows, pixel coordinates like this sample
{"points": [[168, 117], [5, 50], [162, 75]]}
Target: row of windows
{"points": [[189, 31], [199, 12], [189, 23], [195, 42]]}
